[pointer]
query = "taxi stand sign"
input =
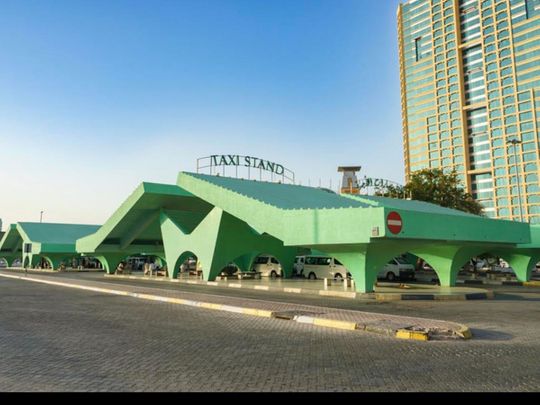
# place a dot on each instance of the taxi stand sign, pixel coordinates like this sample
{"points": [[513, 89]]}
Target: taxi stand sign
{"points": [[245, 162]]}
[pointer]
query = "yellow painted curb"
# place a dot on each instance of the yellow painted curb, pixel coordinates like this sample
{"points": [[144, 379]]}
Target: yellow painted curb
{"points": [[412, 335], [388, 297], [209, 305], [331, 323], [257, 312], [178, 301], [464, 332], [531, 283], [337, 294]]}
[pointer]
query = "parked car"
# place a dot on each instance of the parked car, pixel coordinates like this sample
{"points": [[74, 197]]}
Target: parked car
{"points": [[427, 267], [189, 265], [315, 267], [268, 266], [397, 269], [230, 269]]}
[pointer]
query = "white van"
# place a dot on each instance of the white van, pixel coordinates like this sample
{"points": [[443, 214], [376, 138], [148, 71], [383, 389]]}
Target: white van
{"points": [[268, 266], [397, 268], [298, 266], [315, 267]]}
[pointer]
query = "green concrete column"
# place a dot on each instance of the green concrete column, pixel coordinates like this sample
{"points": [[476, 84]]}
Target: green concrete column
{"points": [[245, 262], [522, 264], [363, 267], [27, 260], [34, 261], [55, 261], [9, 259], [364, 262], [447, 259], [110, 261], [217, 240], [178, 260], [355, 262], [286, 259]]}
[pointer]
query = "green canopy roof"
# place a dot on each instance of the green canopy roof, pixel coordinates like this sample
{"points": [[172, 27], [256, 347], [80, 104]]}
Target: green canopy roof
{"points": [[283, 196], [408, 204], [47, 233], [44, 237], [135, 226]]}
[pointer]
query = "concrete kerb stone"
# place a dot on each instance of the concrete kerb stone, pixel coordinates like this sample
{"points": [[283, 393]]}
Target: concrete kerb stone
{"points": [[532, 283], [464, 332], [411, 334], [435, 297]]}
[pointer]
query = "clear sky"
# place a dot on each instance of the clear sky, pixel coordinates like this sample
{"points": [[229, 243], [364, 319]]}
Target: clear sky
{"points": [[99, 95]]}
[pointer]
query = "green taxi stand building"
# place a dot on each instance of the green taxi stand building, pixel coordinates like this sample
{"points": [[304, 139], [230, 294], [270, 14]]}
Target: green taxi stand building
{"points": [[29, 242], [221, 220]]}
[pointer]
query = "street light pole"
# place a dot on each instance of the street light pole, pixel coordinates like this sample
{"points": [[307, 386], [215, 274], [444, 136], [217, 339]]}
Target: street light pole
{"points": [[515, 142], [40, 216]]}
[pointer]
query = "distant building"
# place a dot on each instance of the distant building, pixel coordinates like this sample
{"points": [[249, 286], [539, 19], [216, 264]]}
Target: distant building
{"points": [[349, 184], [470, 85]]}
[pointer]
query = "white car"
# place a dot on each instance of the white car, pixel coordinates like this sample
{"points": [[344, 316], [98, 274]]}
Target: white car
{"points": [[318, 267], [397, 268], [268, 266]]}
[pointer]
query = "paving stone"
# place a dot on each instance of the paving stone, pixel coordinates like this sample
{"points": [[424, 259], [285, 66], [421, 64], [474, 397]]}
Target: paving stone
{"points": [[60, 339]]}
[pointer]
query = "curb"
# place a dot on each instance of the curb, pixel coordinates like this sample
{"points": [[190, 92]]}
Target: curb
{"points": [[324, 322], [325, 293], [412, 334], [532, 283], [464, 332], [433, 297], [292, 290]]}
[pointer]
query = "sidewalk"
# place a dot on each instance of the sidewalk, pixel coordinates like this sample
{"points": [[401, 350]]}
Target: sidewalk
{"points": [[383, 291], [390, 325]]}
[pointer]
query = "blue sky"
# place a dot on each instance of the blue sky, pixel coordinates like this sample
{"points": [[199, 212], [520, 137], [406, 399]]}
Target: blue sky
{"points": [[97, 96]]}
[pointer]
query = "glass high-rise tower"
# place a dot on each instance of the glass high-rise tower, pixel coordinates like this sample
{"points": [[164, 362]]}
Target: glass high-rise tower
{"points": [[470, 91]]}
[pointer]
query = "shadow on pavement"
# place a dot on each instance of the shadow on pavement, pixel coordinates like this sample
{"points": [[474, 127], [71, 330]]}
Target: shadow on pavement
{"points": [[484, 334], [500, 296]]}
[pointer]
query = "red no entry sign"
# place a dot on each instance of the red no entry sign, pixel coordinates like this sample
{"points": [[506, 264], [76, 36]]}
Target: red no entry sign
{"points": [[394, 222]]}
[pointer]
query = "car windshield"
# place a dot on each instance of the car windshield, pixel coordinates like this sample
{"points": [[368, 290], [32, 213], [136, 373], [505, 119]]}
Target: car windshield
{"points": [[261, 260], [401, 260]]}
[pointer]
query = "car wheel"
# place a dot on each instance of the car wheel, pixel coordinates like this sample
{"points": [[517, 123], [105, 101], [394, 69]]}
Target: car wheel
{"points": [[338, 277], [390, 276], [312, 276], [273, 274]]}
